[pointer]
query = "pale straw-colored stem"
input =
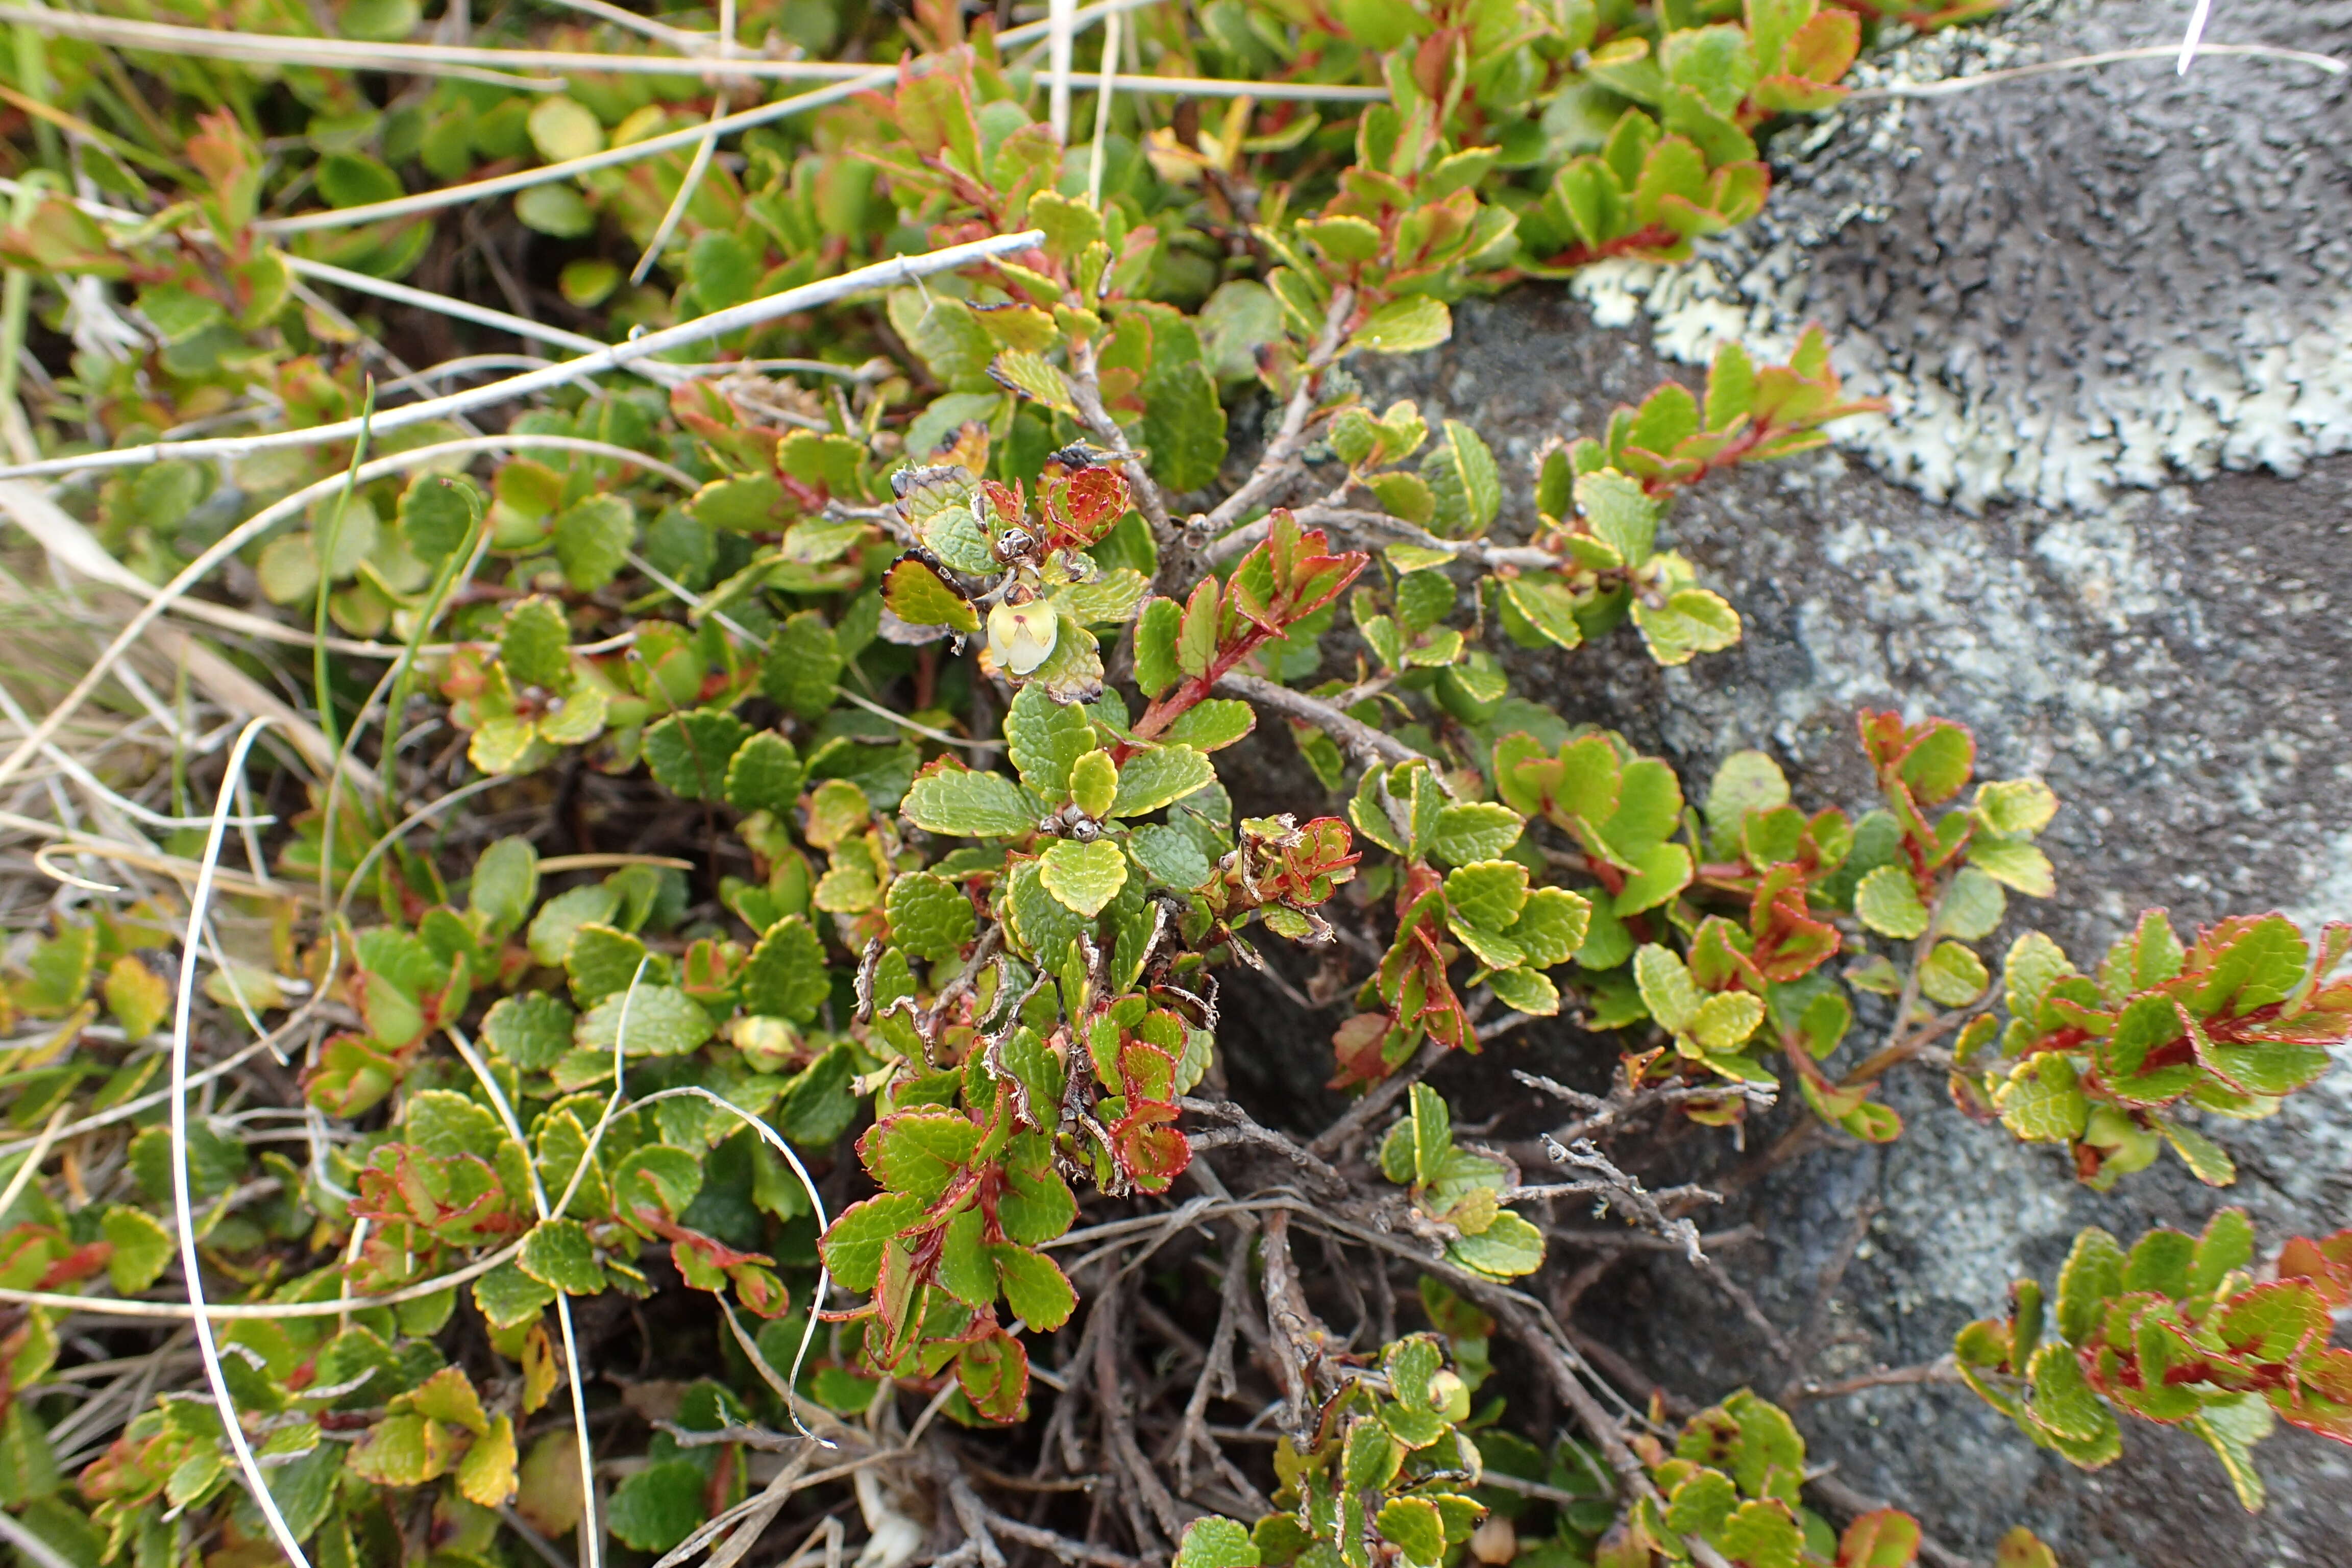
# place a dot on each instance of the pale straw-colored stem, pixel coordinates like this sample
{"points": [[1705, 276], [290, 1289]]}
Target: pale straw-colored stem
{"points": [[2197, 18], [1060, 19], [764, 114], [606, 357], [703, 150], [1952, 85], [174, 594], [190, 1264]]}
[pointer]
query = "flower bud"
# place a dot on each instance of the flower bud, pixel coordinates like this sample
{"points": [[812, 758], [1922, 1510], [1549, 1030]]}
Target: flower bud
{"points": [[1019, 637], [1449, 1397], [1494, 1541]]}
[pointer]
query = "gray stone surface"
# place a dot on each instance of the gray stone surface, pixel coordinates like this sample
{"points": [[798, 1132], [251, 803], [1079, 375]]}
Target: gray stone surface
{"points": [[2066, 282], [2096, 303], [2172, 659]]}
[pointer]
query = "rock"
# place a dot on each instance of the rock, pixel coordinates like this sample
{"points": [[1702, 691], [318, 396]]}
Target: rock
{"points": [[2079, 293], [2172, 662], [2061, 283]]}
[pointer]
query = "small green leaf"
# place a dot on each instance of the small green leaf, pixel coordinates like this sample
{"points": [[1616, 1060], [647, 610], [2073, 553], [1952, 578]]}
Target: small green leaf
{"points": [[930, 918], [1083, 877], [764, 774], [142, 1248], [1212, 725], [2017, 808], [1464, 478], [401, 1450], [1150, 780], [1887, 901], [2207, 1160], [592, 540], [505, 885], [556, 209], [1488, 893], [1551, 926], [1213, 1543], [741, 504], [2042, 1101], [1094, 784], [853, 1247], [1525, 991], [1953, 976], [659, 1506], [2092, 1275], [947, 798], [918, 596], [1471, 831], [919, 1153], [1414, 1527], [803, 661], [651, 1021], [2232, 1428], [1045, 738], [785, 976], [1404, 326], [1724, 1021], [690, 752], [137, 996], [535, 643], [1665, 985], [1744, 782], [1156, 629], [1034, 1287], [530, 1030], [507, 1296], [1183, 424], [1619, 513], [437, 514], [1509, 1247], [564, 129], [354, 179], [558, 1253], [2014, 865]]}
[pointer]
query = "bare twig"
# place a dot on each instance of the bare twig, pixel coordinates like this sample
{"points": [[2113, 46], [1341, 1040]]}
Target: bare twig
{"points": [[1291, 438], [1086, 392], [1625, 1103], [1112, 1390], [1628, 1196], [1809, 1340], [1938, 1371], [1357, 738], [1242, 1127], [1298, 1335], [1334, 1140], [1061, 1546]]}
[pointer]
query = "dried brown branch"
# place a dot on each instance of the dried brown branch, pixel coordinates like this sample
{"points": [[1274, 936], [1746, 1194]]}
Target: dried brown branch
{"points": [[1335, 1139], [1244, 1129], [1298, 1336], [1139, 1479], [1086, 392], [1061, 1546], [1629, 1198], [1933, 1371], [1291, 438], [1808, 1341], [1624, 1103], [1357, 739], [1216, 1379]]}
